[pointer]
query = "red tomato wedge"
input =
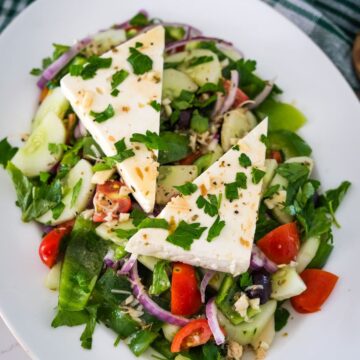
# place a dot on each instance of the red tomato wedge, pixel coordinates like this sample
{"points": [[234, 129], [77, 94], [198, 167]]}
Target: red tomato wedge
{"points": [[276, 155], [282, 244], [195, 333], [185, 294], [320, 284], [50, 244], [108, 202], [240, 96]]}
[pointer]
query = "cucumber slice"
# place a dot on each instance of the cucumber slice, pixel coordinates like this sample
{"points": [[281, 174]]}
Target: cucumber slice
{"points": [[230, 53], [270, 167], [104, 41], [175, 81], [52, 279], [55, 102], [176, 58], [237, 123], [307, 253], [209, 72], [35, 157], [217, 280], [266, 336], [148, 261], [170, 331], [247, 332], [106, 231], [170, 176], [208, 159], [286, 283], [304, 160], [81, 171]]}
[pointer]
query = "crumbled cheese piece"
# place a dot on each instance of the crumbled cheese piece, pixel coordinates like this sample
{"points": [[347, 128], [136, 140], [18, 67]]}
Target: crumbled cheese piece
{"points": [[234, 351], [192, 141], [88, 214], [124, 217], [242, 304], [261, 351], [255, 303], [100, 177]]}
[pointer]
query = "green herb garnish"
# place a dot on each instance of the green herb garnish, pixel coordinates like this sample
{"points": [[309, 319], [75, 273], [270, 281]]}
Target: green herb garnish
{"points": [[154, 223], [215, 229], [118, 77], [7, 152], [155, 105], [185, 234], [186, 189], [151, 139], [257, 175], [102, 116], [140, 62], [211, 206], [244, 160], [75, 192], [231, 191]]}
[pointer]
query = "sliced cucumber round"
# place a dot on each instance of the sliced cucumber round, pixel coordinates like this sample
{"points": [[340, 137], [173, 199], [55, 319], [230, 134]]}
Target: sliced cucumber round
{"points": [[175, 81], [266, 336], [35, 156], [237, 123], [106, 230], [148, 261], [246, 332], [104, 41], [55, 102], [286, 283], [170, 331], [176, 58], [207, 72], [74, 201], [304, 160], [270, 167], [307, 252]]}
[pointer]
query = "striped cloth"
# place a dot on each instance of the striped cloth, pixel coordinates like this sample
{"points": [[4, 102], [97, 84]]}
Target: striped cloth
{"points": [[332, 24]]}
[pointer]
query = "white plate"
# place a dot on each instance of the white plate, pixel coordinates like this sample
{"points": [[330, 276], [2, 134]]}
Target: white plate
{"points": [[281, 50]]}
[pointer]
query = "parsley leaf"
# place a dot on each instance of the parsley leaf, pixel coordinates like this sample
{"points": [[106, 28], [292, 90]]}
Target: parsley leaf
{"points": [[94, 64], [139, 19], [7, 152], [44, 176], [75, 192], [185, 234], [199, 123], [115, 93], [281, 317], [118, 77], [36, 71], [244, 160], [209, 87], [211, 206], [215, 229], [103, 115], [137, 216], [231, 191], [57, 210], [177, 147], [187, 189], [152, 140], [184, 100], [125, 233], [160, 280], [155, 105], [257, 175], [154, 224], [241, 180], [245, 280], [271, 191], [140, 62], [195, 61]]}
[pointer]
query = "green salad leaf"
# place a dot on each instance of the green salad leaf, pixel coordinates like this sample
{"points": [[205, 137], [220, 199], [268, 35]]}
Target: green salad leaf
{"points": [[160, 280], [7, 152]]}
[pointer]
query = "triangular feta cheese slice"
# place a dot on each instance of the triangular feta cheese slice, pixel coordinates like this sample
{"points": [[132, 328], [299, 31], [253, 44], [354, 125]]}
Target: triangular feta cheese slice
{"points": [[230, 250], [134, 103]]}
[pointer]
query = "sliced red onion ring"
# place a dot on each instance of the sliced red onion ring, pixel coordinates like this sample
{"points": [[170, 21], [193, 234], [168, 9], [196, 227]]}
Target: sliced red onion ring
{"points": [[262, 96], [50, 72], [176, 44], [129, 263], [80, 130], [149, 305], [204, 283], [230, 97], [211, 315], [259, 260], [109, 258]]}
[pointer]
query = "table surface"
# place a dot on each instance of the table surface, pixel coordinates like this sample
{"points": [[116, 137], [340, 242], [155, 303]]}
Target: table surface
{"points": [[9, 347]]}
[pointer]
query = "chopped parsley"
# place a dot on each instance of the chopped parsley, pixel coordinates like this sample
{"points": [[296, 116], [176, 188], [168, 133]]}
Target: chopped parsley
{"points": [[271, 191], [57, 210], [44, 176], [155, 105], [125, 233], [139, 19], [186, 189], [257, 175], [75, 192], [185, 234], [265, 140], [95, 63], [137, 216], [215, 229], [245, 280], [236, 147], [281, 317], [244, 160], [199, 123], [140, 62], [57, 148], [231, 191], [36, 71], [211, 206], [138, 45], [210, 87], [151, 139], [195, 61], [7, 152], [103, 115], [118, 77], [241, 180], [154, 223], [115, 93]]}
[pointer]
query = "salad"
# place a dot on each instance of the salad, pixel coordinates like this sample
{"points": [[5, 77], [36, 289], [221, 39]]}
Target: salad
{"points": [[175, 198]]}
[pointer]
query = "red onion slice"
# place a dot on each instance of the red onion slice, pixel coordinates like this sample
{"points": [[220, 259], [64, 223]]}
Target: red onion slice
{"points": [[211, 315], [262, 96], [50, 72], [150, 305], [129, 263], [230, 97], [204, 283], [259, 260]]}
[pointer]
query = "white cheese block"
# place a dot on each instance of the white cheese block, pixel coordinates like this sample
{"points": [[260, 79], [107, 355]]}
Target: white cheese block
{"points": [[231, 250], [133, 112]]}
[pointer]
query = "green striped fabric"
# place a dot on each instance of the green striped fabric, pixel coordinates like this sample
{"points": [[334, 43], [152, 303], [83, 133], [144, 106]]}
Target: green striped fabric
{"points": [[332, 24]]}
